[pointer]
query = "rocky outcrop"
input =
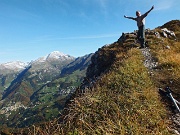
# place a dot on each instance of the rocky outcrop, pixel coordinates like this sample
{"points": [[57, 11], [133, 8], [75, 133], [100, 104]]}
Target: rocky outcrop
{"points": [[167, 33], [100, 62]]}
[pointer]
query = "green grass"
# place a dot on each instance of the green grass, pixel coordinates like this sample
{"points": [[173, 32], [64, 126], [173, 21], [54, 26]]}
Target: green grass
{"points": [[124, 99]]}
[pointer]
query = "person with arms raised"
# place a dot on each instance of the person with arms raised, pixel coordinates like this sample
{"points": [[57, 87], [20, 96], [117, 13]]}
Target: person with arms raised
{"points": [[140, 19]]}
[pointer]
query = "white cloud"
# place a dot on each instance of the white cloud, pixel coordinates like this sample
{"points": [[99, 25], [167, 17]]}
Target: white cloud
{"points": [[92, 36], [54, 38]]}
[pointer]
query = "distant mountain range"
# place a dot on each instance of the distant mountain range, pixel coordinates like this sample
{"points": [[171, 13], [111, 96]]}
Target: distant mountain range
{"points": [[15, 66], [27, 89]]}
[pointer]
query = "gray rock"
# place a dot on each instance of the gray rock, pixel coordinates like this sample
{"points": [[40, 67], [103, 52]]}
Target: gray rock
{"points": [[168, 32]]}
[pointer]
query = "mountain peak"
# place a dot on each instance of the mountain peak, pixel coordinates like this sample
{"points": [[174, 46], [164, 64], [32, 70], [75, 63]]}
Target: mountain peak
{"points": [[58, 55], [55, 55], [14, 65]]}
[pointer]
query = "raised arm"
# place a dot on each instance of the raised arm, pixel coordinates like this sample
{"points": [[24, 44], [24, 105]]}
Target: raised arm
{"points": [[148, 11], [129, 17]]}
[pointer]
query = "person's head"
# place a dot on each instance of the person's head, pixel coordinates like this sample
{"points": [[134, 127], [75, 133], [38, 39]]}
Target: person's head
{"points": [[138, 13]]}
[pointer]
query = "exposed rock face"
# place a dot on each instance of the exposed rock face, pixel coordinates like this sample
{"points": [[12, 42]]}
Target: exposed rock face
{"points": [[100, 62], [162, 33], [173, 26], [167, 33]]}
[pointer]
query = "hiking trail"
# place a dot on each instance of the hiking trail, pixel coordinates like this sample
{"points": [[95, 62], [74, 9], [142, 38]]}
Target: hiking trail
{"points": [[151, 64]]}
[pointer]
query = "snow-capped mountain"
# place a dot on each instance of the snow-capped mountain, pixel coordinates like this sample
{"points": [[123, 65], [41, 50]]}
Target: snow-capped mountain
{"points": [[41, 84], [55, 58], [14, 65], [55, 55], [40, 60]]}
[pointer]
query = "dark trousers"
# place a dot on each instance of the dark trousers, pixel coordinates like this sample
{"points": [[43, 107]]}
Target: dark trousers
{"points": [[141, 35]]}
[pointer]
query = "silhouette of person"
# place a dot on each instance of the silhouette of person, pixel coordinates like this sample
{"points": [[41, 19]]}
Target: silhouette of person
{"points": [[140, 19]]}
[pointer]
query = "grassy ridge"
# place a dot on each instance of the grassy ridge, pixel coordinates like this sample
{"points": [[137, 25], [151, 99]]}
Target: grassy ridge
{"points": [[124, 100]]}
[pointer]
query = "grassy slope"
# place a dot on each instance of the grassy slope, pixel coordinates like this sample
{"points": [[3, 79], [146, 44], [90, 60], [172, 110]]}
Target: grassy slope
{"points": [[125, 100], [168, 71]]}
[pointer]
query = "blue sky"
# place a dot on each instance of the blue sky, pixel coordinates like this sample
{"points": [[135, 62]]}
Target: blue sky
{"points": [[30, 29]]}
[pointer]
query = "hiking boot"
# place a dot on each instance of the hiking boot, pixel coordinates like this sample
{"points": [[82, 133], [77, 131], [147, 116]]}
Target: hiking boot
{"points": [[142, 47]]}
